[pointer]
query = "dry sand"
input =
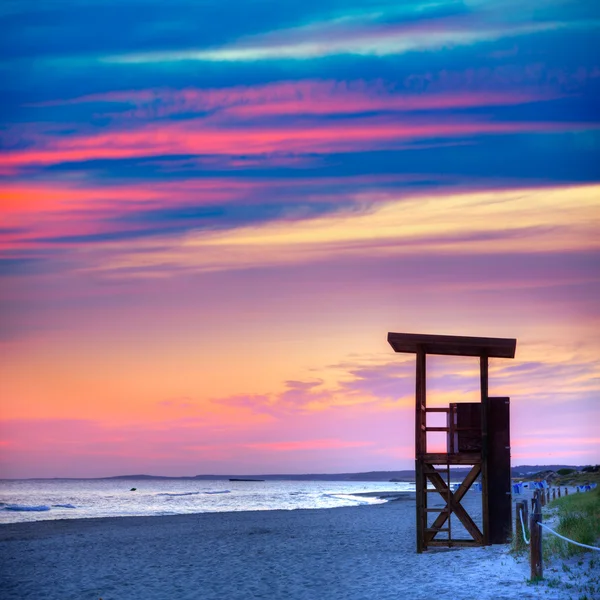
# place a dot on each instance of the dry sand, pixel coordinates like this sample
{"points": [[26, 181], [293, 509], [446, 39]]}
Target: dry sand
{"points": [[362, 552]]}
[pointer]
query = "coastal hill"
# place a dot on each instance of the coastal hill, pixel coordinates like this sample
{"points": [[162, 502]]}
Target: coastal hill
{"points": [[405, 475]]}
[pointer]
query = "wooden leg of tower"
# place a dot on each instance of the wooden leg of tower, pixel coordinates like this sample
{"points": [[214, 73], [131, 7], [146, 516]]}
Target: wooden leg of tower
{"points": [[485, 511], [420, 482], [450, 489], [420, 450]]}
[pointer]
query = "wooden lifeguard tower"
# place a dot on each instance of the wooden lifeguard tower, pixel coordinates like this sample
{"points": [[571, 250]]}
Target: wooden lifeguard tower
{"points": [[478, 434]]}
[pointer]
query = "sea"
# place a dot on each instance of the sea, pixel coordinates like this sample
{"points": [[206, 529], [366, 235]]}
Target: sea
{"points": [[47, 499]]}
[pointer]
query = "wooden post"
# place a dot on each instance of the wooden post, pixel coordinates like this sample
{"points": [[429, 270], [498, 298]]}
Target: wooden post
{"points": [[553, 493], [559, 491], [535, 532], [566, 491], [420, 449], [542, 497], [485, 513]]}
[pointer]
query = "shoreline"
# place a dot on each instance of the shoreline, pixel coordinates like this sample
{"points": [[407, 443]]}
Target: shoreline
{"points": [[69, 503], [88, 521], [362, 552], [356, 552]]}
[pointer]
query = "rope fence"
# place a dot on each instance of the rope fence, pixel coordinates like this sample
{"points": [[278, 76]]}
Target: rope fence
{"points": [[523, 526], [535, 531], [562, 537]]}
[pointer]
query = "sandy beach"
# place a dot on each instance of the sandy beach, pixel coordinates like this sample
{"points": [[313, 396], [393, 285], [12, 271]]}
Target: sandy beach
{"points": [[361, 552]]}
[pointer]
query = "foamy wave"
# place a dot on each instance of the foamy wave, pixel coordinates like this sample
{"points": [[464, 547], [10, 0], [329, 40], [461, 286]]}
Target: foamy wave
{"points": [[346, 498], [25, 508], [181, 494], [193, 493]]}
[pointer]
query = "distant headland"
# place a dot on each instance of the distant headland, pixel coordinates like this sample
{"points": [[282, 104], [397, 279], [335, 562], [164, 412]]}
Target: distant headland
{"points": [[408, 475]]}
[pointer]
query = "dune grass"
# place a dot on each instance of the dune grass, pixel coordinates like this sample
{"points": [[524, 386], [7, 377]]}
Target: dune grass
{"points": [[579, 520]]}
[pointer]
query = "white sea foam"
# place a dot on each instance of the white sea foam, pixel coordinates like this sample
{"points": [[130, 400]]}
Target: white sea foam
{"points": [[351, 498], [88, 498], [173, 494], [25, 508], [181, 494]]}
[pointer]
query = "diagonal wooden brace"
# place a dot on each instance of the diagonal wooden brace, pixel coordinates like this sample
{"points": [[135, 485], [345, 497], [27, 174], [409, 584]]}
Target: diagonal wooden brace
{"points": [[453, 502]]}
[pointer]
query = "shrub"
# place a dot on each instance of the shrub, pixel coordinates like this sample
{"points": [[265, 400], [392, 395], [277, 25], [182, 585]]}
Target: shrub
{"points": [[565, 471]]}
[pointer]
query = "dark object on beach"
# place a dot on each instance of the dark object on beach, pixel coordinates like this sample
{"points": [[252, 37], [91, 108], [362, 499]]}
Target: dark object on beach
{"points": [[133, 489], [477, 434], [246, 479]]}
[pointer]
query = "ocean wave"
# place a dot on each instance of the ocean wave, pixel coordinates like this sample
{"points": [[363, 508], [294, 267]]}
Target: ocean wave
{"points": [[25, 508], [172, 494], [63, 506], [180, 494], [346, 498]]}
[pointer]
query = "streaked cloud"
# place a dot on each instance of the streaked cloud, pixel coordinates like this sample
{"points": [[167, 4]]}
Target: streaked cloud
{"points": [[198, 139], [543, 220], [360, 36], [309, 97]]}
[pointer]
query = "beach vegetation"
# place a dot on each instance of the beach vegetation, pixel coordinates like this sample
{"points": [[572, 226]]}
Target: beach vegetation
{"points": [[565, 471], [591, 469], [578, 478], [578, 520]]}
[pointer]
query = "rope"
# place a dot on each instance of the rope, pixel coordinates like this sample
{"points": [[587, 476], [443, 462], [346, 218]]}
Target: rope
{"points": [[562, 537], [523, 527]]}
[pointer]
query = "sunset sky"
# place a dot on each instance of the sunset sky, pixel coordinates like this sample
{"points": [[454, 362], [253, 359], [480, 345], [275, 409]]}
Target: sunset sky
{"points": [[213, 212]]}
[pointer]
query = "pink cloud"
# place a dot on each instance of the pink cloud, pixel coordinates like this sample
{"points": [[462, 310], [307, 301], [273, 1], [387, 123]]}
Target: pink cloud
{"points": [[327, 444], [198, 138], [35, 214], [304, 97]]}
